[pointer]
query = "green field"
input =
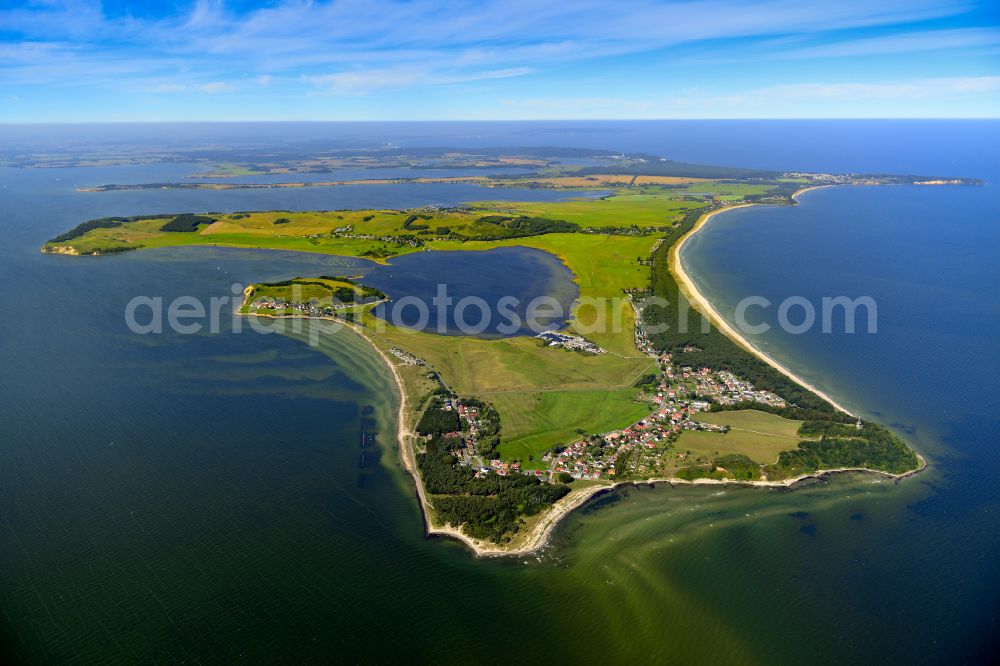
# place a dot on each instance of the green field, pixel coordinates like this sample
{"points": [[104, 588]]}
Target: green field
{"points": [[536, 421], [758, 435], [603, 266], [657, 208], [229, 169], [472, 366], [319, 292], [723, 189]]}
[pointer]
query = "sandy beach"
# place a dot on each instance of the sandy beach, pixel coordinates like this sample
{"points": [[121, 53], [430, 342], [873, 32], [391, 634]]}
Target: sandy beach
{"points": [[702, 305], [540, 533]]}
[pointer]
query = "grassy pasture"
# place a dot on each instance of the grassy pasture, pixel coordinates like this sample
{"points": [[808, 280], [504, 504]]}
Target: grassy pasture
{"points": [[596, 180], [621, 210], [304, 291], [758, 435], [537, 421], [723, 189], [604, 266], [474, 366]]}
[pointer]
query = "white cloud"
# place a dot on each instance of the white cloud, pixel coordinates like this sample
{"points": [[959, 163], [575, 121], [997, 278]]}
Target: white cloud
{"points": [[216, 87], [912, 89], [302, 39], [355, 48], [809, 98], [164, 88], [210, 88], [363, 81], [931, 40]]}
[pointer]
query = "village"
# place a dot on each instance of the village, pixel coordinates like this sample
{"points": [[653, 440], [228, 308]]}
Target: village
{"points": [[569, 341], [637, 451], [406, 357], [676, 396], [277, 306], [479, 435], [280, 306]]}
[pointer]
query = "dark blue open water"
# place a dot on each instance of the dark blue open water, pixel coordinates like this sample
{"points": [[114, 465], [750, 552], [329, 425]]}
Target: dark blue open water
{"points": [[214, 497]]}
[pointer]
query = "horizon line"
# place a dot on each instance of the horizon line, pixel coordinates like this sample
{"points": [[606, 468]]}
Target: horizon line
{"points": [[492, 120]]}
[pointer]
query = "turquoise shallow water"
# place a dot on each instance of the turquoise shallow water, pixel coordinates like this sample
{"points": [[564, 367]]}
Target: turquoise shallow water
{"points": [[219, 497]]}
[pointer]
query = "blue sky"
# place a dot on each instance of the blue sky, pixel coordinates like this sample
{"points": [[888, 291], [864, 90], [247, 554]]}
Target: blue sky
{"points": [[87, 60]]}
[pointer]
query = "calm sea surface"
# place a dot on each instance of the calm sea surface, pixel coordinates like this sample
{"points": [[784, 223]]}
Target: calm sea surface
{"points": [[237, 495]]}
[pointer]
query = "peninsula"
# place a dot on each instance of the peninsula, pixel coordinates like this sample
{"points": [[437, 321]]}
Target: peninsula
{"points": [[504, 437]]}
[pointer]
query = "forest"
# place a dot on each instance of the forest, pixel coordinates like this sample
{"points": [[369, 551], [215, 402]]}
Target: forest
{"points": [[488, 507], [187, 222]]}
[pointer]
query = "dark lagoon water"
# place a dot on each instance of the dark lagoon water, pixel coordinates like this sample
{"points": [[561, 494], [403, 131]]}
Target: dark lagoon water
{"points": [[486, 294], [380, 173], [234, 496]]}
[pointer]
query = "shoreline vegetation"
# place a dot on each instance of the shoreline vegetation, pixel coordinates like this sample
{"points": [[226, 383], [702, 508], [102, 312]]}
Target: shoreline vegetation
{"points": [[666, 214]]}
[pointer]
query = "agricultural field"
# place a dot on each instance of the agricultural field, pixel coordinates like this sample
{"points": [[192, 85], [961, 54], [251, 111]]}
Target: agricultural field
{"points": [[603, 267], [723, 189], [597, 180], [475, 366], [228, 170], [371, 222], [758, 435], [659, 208], [537, 421]]}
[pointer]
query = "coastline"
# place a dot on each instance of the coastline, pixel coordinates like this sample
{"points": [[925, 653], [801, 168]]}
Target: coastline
{"points": [[404, 433], [540, 532], [705, 307]]}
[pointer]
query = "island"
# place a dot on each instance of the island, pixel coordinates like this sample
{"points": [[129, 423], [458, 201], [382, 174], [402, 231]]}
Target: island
{"points": [[503, 437]]}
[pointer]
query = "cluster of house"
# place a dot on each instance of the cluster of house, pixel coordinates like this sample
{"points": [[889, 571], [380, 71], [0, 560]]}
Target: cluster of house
{"points": [[637, 450], [725, 388], [469, 418], [604, 456], [825, 178], [472, 424], [717, 203], [631, 158], [578, 461], [503, 468], [642, 341], [406, 357], [395, 240], [709, 427], [280, 305], [569, 341]]}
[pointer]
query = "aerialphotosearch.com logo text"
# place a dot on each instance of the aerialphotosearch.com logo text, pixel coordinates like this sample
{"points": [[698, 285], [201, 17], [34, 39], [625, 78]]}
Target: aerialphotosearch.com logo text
{"points": [[472, 315]]}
